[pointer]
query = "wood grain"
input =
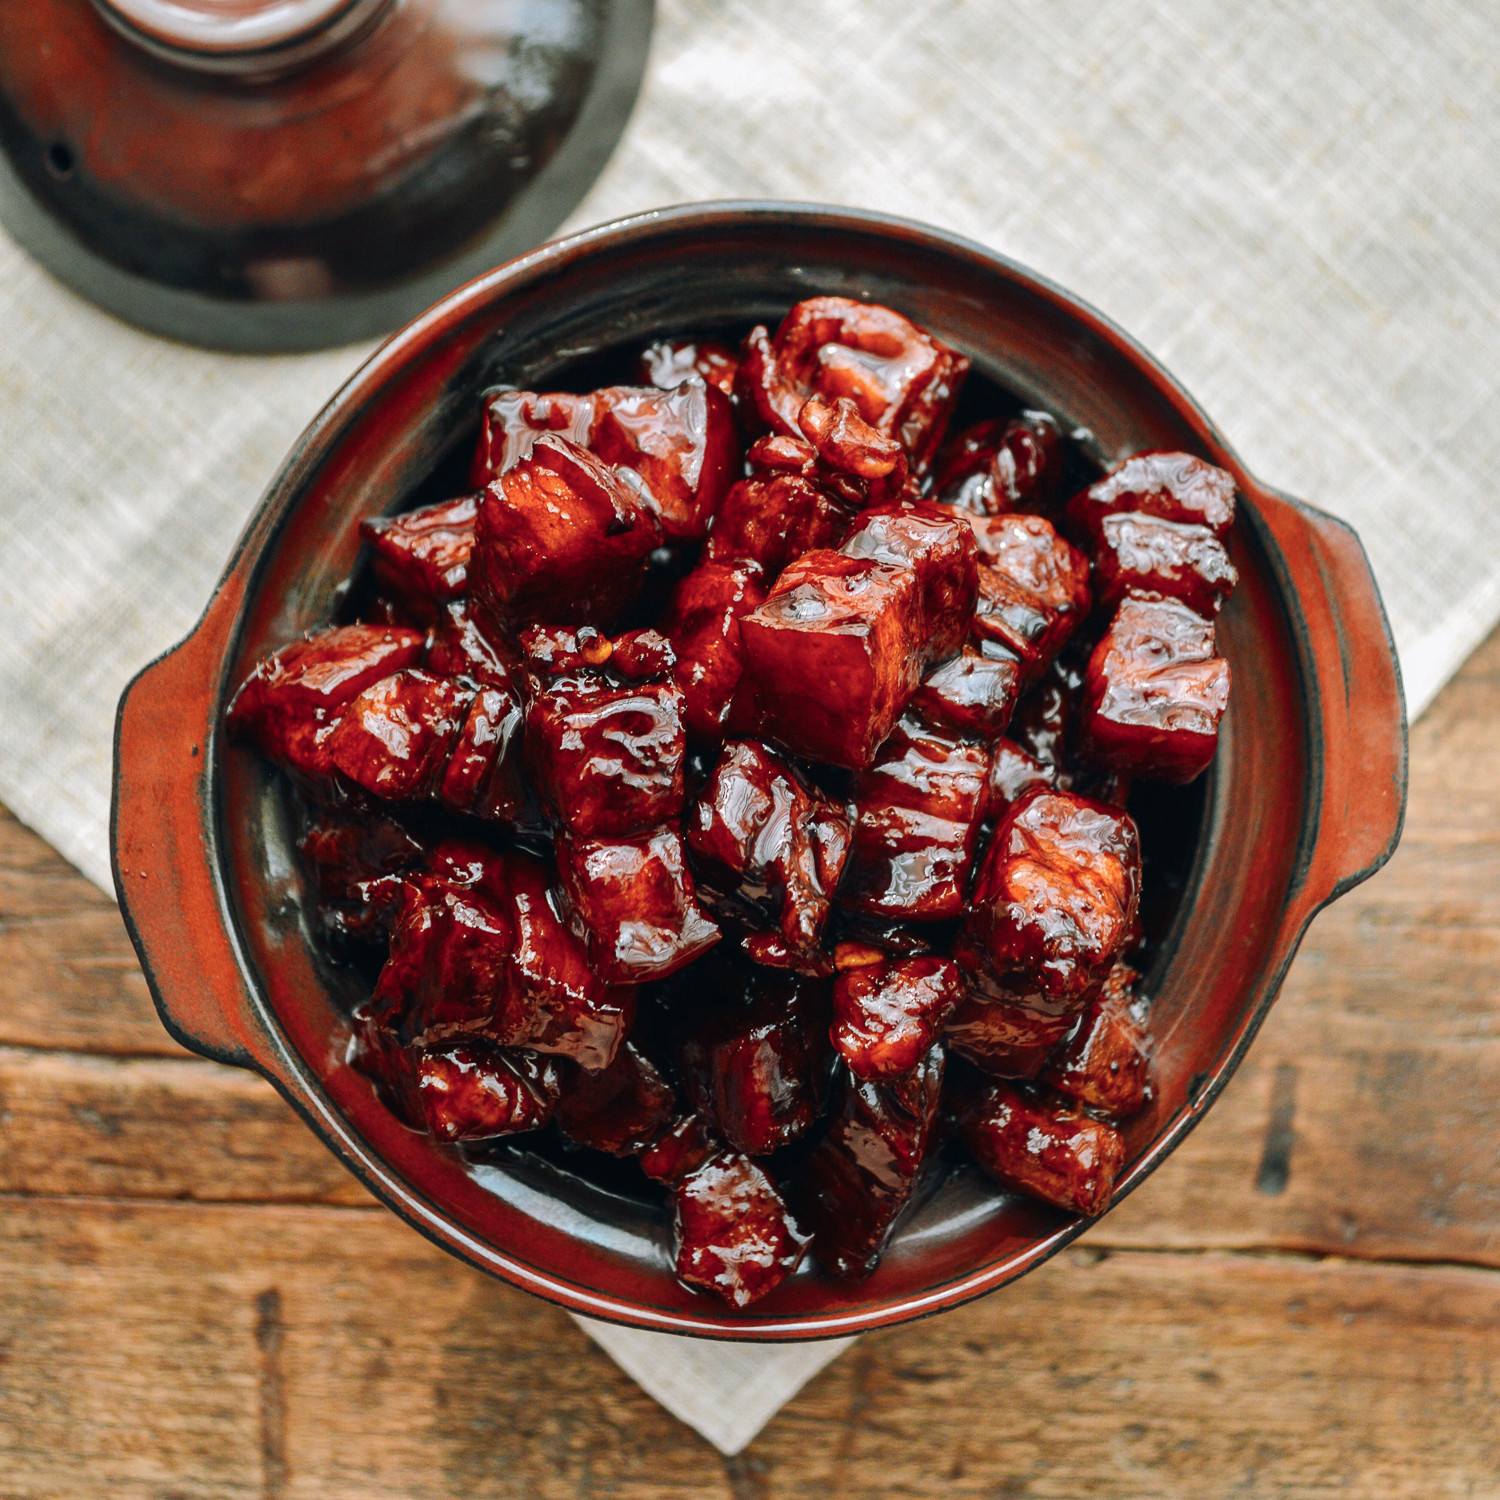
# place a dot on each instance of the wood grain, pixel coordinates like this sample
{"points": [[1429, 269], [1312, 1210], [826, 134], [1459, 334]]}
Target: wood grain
{"points": [[318, 1354], [198, 1301]]}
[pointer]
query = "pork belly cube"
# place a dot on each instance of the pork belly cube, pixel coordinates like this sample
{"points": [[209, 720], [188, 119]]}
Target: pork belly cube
{"points": [[904, 382], [1140, 554], [342, 851], [606, 759], [480, 950], [288, 706], [554, 1002], [733, 1233], [1055, 899], [917, 816], [768, 842], [483, 775], [1033, 588], [703, 624], [1104, 1064], [1045, 1148], [834, 655], [940, 549], [1013, 773], [683, 443], [1000, 466], [754, 1056], [974, 692], [769, 520], [634, 899], [395, 738], [1155, 692], [1174, 486], [560, 537], [514, 420], [1009, 1034], [621, 1109], [863, 1170], [461, 645], [845, 444], [421, 557], [680, 1149], [449, 959], [671, 361], [470, 1091], [887, 1015]]}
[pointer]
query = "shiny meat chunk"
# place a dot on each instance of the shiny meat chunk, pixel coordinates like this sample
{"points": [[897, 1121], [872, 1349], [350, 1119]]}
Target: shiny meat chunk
{"points": [[1013, 773], [606, 760], [1033, 588], [734, 1236], [845, 444], [343, 850], [463, 646], [622, 1109], [940, 549], [917, 816], [1045, 1148], [703, 625], [1105, 1063], [1174, 486], [484, 774], [1009, 1034], [634, 898], [683, 443], [422, 556], [887, 1015], [395, 738], [998, 466], [1155, 692], [753, 1054], [559, 537], [769, 843], [669, 362], [1140, 554], [682, 1148], [471, 1091], [863, 1170], [288, 706], [834, 655], [1055, 899], [479, 950], [974, 692], [770, 520], [904, 382], [514, 420]]}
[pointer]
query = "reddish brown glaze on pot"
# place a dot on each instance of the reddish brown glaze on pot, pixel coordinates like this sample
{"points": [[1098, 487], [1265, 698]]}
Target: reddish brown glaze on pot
{"points": [[1303, 800]]}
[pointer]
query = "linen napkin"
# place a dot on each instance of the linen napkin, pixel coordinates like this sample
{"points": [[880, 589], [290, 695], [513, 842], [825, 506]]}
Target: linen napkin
{"points": [[1296, 207]]}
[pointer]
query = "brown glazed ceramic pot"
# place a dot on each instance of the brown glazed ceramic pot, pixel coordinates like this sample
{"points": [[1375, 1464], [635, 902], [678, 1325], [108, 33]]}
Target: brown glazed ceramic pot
{"points": [[1304, 800]]}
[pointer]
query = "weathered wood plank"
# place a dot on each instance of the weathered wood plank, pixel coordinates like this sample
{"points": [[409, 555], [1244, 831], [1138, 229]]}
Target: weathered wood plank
{"points": [[199, 1351], [68, 975], [143, 1127]]}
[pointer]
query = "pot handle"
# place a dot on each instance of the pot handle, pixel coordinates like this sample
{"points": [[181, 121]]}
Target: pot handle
{"points": [[162, 846], [1359, 706]]}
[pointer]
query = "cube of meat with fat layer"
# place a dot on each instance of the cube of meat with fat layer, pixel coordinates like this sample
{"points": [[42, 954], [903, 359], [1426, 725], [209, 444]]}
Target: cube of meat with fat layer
{"points": [[560, 537], [291, 703], [887, 1015], [917, 816], [1056, 897], [634, 899], [1155, 692], [1174, 486], [421, 557]]}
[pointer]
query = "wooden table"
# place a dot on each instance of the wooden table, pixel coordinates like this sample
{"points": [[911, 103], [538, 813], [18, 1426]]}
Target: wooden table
{"points": [[196, 1300]]}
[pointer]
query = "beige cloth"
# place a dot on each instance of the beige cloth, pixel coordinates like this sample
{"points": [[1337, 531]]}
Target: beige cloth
{"points": [[1296, 206]]}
